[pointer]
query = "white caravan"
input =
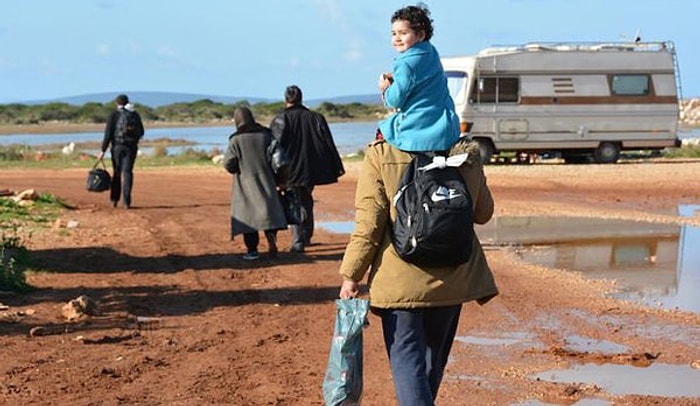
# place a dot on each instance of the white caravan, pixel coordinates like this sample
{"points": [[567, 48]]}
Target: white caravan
{"points": [[575, 100]]}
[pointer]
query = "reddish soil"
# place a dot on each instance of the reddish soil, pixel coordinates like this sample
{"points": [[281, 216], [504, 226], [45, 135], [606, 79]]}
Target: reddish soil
{"points": [[229, 332]]}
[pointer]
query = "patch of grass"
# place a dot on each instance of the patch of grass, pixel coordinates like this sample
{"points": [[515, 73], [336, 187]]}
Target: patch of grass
{"points": [[13, 263], [160, 150], [44, 209], [17, 221], [685, 151], [13, 152], [187, 157], [358, 156], [16, 157]]}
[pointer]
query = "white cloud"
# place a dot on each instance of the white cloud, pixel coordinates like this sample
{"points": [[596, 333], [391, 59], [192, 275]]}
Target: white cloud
{"points": [[295, 61], [168, 56], [102, 49], [135, 48], [107, 4], [50, 66], [354, 52], [166, 52], [332, 10]]}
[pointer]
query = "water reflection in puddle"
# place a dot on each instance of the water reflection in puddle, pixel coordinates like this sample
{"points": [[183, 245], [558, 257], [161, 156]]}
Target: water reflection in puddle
{"points": [[656, 380], [582, 402], [506, 339], [577, 343], [654, 264], [338, 227]]}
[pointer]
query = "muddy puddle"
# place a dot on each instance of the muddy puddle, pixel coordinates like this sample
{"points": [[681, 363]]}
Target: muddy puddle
{"points": [[655, 380], [663, 380], [654, 264], [338, 227], [582, 402]]}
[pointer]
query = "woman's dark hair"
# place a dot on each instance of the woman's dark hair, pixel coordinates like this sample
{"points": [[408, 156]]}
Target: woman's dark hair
{"points": [[418, 18]]}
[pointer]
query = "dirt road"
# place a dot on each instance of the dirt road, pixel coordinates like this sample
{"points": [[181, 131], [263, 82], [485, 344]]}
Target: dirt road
{"points": [[185, 321]]}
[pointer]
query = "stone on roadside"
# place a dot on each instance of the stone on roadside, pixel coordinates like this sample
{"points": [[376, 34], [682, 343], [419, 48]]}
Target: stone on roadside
{"points": [[80, 307]]}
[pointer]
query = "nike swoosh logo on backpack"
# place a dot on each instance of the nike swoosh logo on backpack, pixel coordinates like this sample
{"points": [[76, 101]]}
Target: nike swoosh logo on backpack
{"points": [[440, 195]]}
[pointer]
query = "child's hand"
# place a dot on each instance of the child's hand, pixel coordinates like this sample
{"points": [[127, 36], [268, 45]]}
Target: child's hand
{"points": [[385, 80]]}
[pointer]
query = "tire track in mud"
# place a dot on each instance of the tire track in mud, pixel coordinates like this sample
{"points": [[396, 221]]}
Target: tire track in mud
{"points": [[187, 239]]}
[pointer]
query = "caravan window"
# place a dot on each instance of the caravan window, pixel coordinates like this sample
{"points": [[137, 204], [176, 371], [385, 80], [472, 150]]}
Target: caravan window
{"points": [[457, 85], [630, 85], [496, 90]]}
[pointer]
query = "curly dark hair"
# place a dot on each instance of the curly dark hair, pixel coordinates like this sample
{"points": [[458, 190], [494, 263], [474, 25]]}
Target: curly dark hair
{"points": [[418, 18]]}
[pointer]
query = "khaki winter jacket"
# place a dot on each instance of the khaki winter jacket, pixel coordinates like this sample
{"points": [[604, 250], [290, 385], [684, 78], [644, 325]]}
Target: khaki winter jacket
{"points": [[394, 283]]}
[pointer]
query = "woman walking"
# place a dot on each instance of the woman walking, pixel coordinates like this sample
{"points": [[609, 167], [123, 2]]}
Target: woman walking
{"points": [[255, 203]]}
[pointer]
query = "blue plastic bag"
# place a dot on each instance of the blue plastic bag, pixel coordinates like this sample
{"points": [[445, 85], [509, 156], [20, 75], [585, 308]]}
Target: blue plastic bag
{"points": [[342, 384]]}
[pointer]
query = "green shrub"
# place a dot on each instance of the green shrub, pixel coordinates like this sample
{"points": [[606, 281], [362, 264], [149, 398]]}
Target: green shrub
{"points": [[196, 154], [160, 150], [215, 151], [13, 263], [685, 151], [13, 152]]}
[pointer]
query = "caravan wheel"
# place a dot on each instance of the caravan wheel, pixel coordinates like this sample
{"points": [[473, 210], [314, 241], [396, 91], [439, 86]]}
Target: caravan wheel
{"points": [[485, 149], [607, 153]]}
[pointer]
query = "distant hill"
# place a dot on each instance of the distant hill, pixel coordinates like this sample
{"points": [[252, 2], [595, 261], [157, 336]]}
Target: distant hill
{"points": [[157, 99], [152, 99], [358, 98]]}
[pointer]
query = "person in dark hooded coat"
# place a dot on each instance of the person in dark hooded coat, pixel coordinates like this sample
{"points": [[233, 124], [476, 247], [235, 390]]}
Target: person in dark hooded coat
{"points": [[255, 202], [307, 139]]}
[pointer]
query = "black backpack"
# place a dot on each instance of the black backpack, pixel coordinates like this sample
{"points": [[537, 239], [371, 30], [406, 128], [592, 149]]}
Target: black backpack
{"points": [[434, 221], [127, 128]]}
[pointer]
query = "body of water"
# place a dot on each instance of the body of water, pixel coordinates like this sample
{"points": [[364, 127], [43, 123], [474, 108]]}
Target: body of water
{"points": [[349, 137]]}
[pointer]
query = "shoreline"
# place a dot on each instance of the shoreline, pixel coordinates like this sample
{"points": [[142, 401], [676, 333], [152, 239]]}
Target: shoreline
{"points": [[64, 128], [60, 127]]}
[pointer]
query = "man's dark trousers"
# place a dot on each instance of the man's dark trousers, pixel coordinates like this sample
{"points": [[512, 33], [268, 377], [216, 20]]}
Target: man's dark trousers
{"points": [[301, 234], [123, 158]]}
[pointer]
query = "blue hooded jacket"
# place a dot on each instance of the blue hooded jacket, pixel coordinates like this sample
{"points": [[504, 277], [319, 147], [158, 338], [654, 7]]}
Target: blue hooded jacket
{"points": [[425, 118]]}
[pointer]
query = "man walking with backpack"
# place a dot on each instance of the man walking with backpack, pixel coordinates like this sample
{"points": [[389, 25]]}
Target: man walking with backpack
{"points": [[123, 131]]}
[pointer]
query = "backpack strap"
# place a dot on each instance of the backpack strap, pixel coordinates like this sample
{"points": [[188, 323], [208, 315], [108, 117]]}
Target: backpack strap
{"points": [[441, 162], [438, 159]]}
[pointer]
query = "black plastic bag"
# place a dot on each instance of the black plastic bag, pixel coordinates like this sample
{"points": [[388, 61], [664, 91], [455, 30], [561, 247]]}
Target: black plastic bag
{"points": [[292, 206], [98, 179], [342, 384], [279, 161]]}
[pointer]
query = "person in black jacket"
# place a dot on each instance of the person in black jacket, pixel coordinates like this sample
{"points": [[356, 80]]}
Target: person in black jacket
{"points": [[123, 136], [314, 158]]}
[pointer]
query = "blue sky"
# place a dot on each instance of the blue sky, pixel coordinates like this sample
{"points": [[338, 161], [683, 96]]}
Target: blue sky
{"points": [[51, 49]]}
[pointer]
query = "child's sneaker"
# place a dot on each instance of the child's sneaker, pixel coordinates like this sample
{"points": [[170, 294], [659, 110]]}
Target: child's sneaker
{"points": [[251, 256]]}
